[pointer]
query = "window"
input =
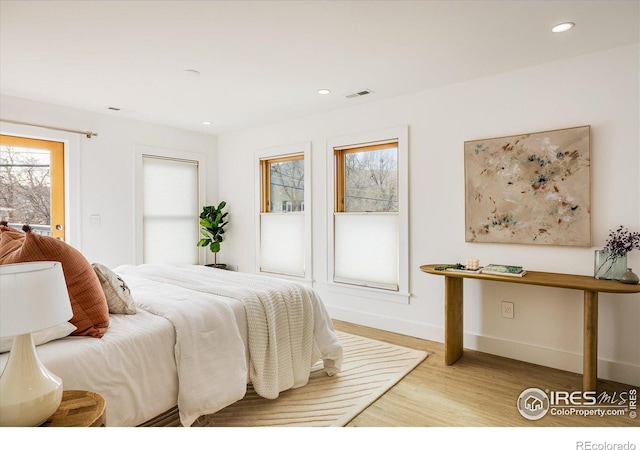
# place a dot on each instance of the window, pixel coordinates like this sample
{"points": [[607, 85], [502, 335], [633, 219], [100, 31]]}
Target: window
{"points": [[169, 207], [32, 184], [368, 220], [283, 179], [283, 226], [367, 178]]}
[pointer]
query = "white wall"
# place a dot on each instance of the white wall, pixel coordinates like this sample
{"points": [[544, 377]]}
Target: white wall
{"points": [[600, 90], [103, 183]]}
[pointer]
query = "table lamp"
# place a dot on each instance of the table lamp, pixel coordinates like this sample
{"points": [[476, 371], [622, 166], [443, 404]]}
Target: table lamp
{"points": [[33, 297]]}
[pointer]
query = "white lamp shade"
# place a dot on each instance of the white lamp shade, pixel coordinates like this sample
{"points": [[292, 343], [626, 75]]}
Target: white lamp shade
{"points": [[33, 296]]}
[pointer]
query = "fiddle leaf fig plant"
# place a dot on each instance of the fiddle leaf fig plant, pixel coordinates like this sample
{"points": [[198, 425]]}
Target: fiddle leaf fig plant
{"points": [[212, 223]]}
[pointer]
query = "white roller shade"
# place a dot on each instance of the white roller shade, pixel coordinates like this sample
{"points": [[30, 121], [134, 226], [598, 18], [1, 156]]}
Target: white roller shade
{"points": [[282, 243], [366, 249], [171, 216]]}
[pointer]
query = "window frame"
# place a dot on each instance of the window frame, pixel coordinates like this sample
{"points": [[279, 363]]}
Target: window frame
{"points": [[265, 178], [340, 176], [398, 136], [140, 152], [274, 154]]}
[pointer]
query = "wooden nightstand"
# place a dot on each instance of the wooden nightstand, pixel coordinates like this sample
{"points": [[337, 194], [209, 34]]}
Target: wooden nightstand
{"points": [[79, 409]]}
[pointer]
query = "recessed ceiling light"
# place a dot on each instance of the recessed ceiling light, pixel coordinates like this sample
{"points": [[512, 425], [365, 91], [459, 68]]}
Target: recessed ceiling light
{"points": [[324, 91], [206, 123], [562, 27]]}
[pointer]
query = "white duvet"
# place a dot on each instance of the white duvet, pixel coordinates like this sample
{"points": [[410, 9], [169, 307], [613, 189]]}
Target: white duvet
{"points": [[132, 366], [287, 331]]}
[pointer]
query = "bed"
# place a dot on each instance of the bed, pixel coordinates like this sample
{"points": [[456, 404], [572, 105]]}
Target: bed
{"points": [[197, 337]]}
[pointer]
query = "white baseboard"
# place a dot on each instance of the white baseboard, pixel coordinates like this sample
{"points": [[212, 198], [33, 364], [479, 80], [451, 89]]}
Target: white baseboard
{"points": [[548, 357]]}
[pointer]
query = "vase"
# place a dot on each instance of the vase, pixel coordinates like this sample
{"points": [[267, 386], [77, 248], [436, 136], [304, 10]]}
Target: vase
{"points": [[629, 277], [608, 267]]}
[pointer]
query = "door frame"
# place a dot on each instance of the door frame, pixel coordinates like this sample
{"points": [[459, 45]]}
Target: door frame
{"points": [[72, 147]]}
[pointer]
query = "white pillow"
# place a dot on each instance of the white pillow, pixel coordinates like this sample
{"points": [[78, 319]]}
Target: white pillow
{"points": [[42, 336], [115, 290]]}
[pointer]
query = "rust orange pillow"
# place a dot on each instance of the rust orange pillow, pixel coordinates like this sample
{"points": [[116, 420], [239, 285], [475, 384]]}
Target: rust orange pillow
{"points": [[10, 239], [88, 302]]}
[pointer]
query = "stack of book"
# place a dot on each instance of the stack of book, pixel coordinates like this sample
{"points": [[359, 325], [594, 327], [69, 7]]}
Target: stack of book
{"points": [[501, 269]]}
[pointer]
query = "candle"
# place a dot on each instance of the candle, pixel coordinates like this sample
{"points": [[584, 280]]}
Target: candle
{"points": [[472, 264]]}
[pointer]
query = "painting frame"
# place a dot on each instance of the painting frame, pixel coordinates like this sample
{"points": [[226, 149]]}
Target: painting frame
{"points": [[530, 188]]}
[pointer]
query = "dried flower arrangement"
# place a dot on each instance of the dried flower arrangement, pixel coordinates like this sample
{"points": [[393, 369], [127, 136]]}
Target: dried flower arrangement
{"points": [[622, 241], [611, 261]]}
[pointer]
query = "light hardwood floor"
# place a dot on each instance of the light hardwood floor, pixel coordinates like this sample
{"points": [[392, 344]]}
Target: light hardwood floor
{"points": [[480, 390]]}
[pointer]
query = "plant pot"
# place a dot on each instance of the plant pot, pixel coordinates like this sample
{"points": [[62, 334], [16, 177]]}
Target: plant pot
{"points": [[217, 266]]}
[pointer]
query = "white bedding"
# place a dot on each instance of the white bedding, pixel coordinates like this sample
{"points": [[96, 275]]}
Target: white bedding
{"points": [[188, 345], [291, 333], [132, 366], [210, 355]]}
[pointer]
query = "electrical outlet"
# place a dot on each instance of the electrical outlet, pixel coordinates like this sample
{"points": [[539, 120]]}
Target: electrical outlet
{"points": [[507, 310]]}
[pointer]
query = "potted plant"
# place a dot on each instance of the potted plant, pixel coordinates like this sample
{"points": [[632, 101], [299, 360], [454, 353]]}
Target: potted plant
{"points": [[212, 223]]}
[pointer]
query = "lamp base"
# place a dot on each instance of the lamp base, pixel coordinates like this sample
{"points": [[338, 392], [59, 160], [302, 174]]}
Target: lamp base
{"points": [[29, 393]]}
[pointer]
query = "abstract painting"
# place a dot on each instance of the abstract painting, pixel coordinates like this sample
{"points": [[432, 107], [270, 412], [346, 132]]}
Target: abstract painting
{"points": [[529, 189]]}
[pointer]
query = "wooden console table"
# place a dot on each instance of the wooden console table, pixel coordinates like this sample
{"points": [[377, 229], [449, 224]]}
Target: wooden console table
{"points": [[453, 309]]}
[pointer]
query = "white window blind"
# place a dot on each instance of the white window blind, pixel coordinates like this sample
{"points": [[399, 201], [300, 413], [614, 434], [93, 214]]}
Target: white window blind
{"points": [[282, 243], [170, 210], [366, 249]]}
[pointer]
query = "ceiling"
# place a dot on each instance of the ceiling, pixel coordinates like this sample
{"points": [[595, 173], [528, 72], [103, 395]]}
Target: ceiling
{"points": [[261, 62]]}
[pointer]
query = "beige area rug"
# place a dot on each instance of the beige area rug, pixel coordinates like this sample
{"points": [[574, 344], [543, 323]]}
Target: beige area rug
{"points": [[370, 368]]}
